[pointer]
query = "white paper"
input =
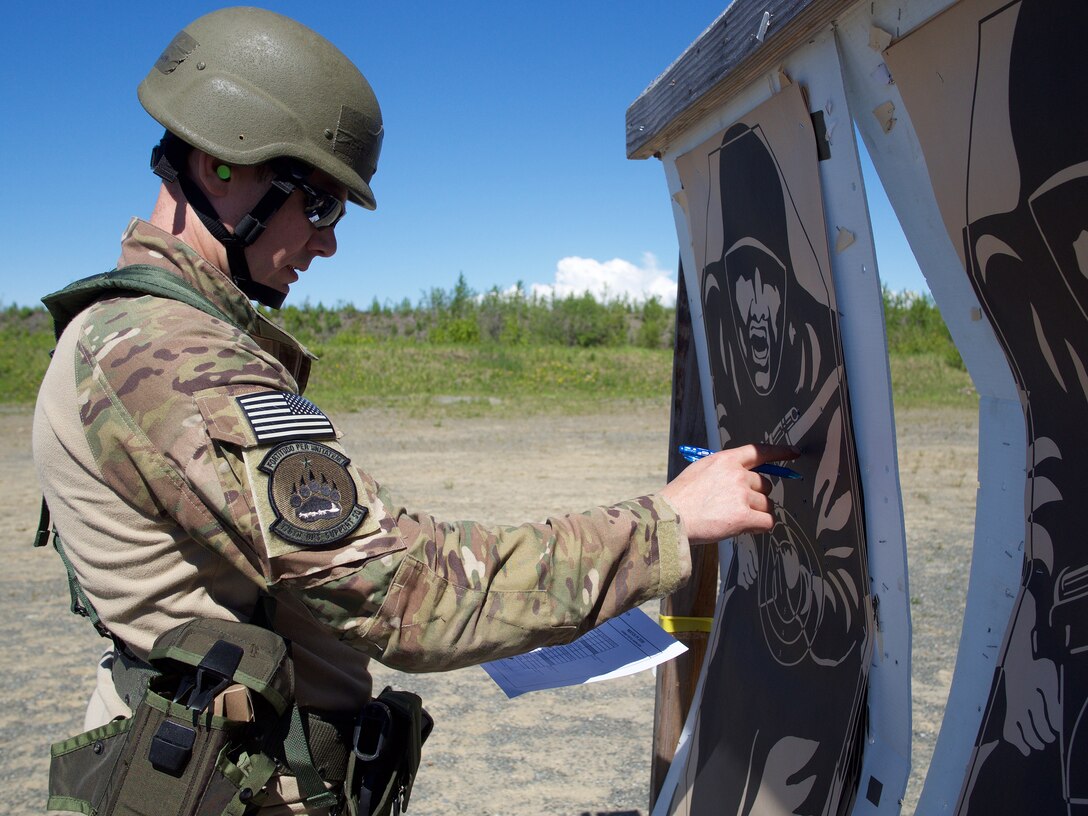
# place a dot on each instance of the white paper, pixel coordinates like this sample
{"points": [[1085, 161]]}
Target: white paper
{"points": [[625, 645]]}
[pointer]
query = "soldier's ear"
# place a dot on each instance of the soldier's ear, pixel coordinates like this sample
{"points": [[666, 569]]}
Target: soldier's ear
{"points": [[207, 171]]}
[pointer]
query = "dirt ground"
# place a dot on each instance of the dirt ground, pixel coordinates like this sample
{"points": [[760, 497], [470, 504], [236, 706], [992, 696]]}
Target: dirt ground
{"points": [[574, 752]]}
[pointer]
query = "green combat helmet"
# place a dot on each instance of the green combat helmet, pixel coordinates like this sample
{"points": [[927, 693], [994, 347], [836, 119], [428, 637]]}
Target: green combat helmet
{"points": [[249, 86]]}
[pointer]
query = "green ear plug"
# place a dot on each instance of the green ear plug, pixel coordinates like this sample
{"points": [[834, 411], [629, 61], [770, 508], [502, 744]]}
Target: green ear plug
{"points": [[223, 172]]}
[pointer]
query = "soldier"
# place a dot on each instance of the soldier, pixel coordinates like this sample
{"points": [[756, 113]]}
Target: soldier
{"points": [[189, 480]]}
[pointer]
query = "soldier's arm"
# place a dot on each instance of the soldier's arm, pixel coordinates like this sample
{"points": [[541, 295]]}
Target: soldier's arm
{"points": [[410, 590], [461, 593]]}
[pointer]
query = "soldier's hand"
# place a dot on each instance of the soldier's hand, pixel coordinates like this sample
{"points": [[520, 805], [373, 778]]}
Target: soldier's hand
{"points": [[719, 496]]}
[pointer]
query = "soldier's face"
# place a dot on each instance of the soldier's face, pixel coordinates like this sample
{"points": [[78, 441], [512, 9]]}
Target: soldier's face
{"points": [[291, 242], [757, 300]]}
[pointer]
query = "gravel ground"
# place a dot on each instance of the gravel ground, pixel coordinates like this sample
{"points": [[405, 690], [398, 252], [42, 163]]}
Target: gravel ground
{"points": [[575, 751]]}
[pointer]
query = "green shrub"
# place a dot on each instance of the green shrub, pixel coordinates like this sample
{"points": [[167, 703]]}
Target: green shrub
{"points": [[458, 330], [581, 320], [914, 325], [656, 326]]}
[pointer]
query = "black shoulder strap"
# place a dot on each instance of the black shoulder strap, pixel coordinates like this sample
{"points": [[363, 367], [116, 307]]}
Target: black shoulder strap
{"points": [[138, 279]]}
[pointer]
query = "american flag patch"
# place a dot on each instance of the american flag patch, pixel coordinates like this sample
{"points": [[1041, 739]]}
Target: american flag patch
{"points": [[277, 415]]}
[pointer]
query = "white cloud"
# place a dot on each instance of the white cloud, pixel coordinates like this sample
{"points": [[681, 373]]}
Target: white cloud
{"points": [[607, 280]]}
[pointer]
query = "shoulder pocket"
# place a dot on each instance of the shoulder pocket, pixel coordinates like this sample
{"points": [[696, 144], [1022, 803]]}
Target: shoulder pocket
{"points": [[318, 514]]}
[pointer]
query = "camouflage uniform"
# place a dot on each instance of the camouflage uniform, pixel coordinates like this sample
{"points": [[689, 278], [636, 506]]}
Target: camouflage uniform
{"points": [[171, 507]]}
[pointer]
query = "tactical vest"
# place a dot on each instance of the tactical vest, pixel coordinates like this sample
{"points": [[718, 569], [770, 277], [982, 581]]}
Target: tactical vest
{"points": [[214, 715]]}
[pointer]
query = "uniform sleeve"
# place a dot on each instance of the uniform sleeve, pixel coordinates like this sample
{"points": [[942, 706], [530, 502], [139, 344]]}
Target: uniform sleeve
{"points": [[461, 593], [420, 594]]}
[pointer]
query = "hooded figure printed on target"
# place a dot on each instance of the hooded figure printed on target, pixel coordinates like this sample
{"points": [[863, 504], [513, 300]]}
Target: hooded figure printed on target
{"points": [[795, 630], [1004, 133], [1029, 265], [749, 284]]}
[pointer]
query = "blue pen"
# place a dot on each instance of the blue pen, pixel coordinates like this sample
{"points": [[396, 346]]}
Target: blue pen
{"points": [[693, 454]]}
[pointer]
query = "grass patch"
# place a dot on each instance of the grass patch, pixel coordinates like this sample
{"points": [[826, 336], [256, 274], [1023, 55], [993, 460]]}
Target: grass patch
{"points": [[928, 381], [26, 338], [470, 379]]}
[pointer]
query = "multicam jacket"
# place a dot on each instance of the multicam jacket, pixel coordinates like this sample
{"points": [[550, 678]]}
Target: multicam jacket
{"points": [[175, 499]]}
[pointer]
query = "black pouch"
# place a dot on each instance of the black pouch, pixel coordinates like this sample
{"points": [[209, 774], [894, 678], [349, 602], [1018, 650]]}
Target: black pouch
{"points": [[178, 755], [385, 755]]}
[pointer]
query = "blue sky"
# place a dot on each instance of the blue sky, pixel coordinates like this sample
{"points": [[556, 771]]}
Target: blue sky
{"points": [[504, 150]]}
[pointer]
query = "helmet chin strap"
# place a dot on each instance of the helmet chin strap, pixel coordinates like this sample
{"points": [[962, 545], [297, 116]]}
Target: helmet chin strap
{"points": [[166, 159]]}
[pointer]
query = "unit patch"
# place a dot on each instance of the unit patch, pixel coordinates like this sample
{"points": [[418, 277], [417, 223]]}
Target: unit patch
{"points": [[312, 493]]}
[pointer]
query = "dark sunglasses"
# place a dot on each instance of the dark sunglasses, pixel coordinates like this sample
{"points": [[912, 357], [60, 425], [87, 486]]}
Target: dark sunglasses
{"points": [[322, 208]]}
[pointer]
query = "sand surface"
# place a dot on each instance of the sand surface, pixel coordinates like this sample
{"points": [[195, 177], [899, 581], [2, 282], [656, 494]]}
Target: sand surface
{"points": [[575, 751]]}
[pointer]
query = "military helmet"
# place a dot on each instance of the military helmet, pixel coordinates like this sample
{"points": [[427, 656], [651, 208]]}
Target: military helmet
{"points": [[248, 86]]}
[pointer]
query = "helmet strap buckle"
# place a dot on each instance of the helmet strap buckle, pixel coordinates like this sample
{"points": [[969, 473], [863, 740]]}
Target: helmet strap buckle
{"points": [[252, 224], [167, 158], [161, 165]]}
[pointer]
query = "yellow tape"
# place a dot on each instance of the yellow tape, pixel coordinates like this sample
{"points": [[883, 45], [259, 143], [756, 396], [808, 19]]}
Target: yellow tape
{"points": [[678, 623]]}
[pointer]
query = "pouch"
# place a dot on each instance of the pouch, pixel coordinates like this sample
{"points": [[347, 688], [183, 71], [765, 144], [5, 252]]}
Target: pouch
{"points": [[385, 756], [177, 756]]}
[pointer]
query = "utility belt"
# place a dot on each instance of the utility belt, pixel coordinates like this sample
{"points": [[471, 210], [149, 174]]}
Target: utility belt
{"points": [[214, 719]]}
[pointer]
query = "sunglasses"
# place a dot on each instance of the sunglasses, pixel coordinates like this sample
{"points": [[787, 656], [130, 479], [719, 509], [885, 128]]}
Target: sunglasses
{"points": [[322, 208]]}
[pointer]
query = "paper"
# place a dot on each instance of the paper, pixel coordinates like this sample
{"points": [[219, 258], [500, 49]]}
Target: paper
{"points": [[625, 645], [844, 239], [885, 114], [879, 39]]}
